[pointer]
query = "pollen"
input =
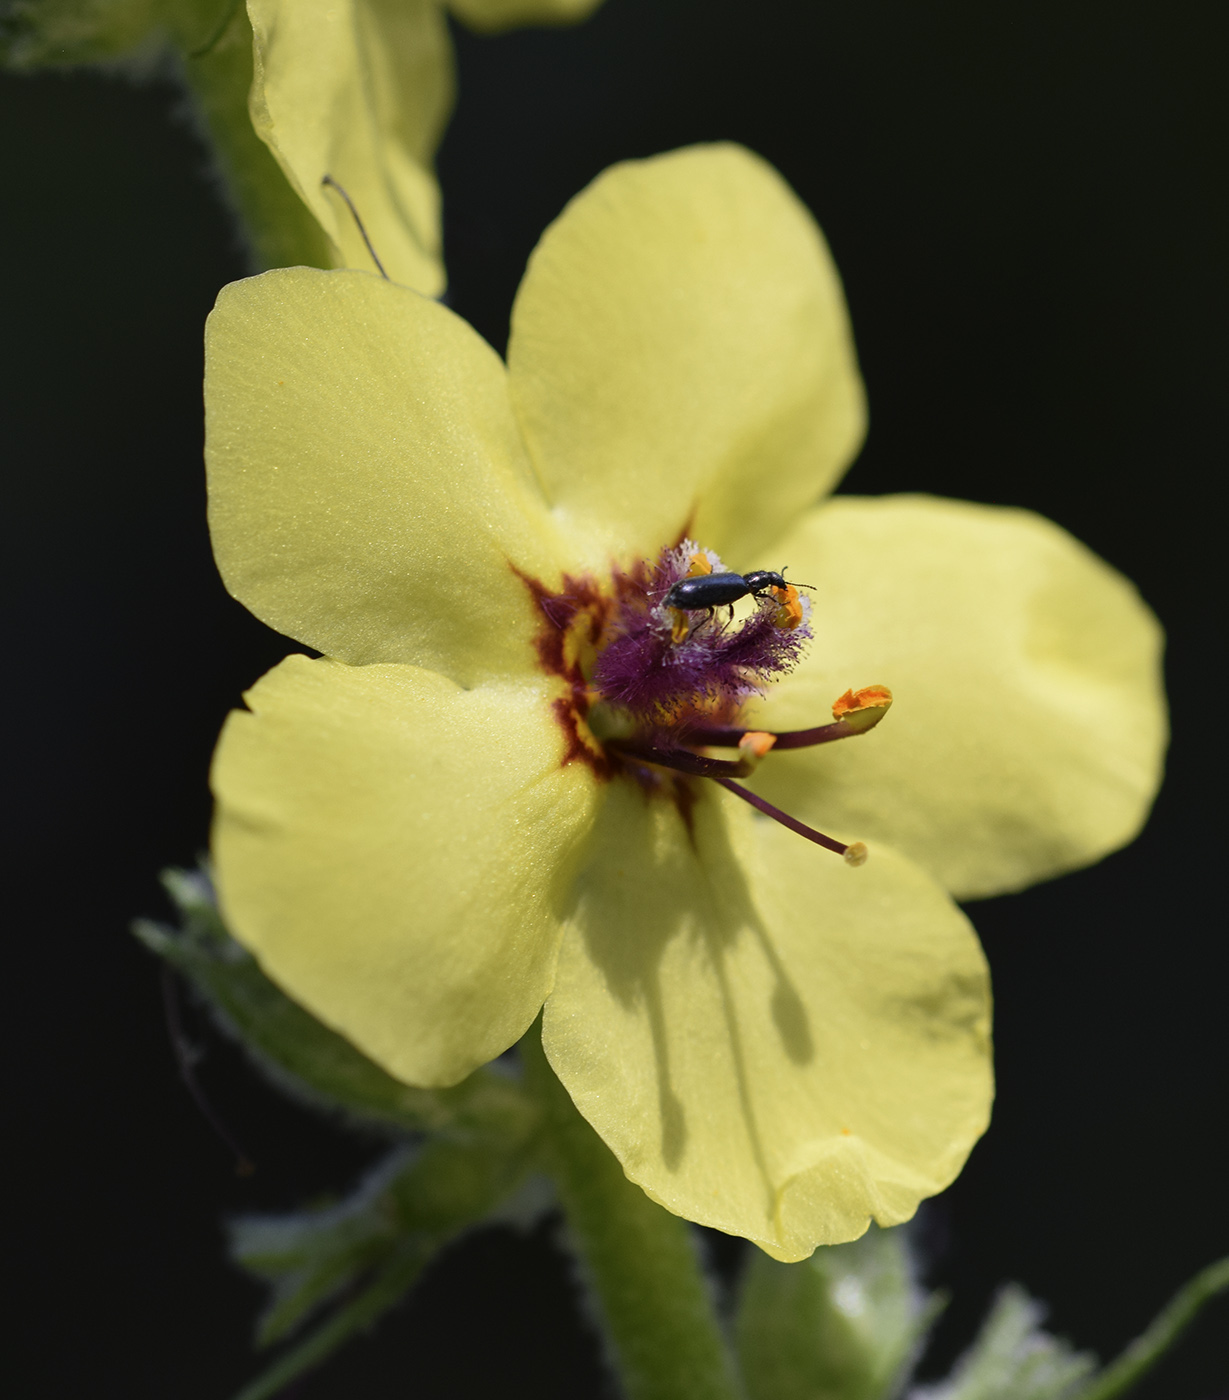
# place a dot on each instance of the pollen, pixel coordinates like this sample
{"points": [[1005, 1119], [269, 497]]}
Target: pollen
{"points": [[871, 697], [789, 610], [698, 566], [755, 743]]}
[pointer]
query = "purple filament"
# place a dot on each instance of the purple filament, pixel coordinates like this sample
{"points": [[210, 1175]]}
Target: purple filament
{"points": [[792, 823]]}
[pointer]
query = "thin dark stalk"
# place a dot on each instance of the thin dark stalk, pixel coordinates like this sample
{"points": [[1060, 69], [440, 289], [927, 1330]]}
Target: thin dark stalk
{"points": [[185, 1056], [333, 185], [681, 760], [788, 739], [792, 823]]}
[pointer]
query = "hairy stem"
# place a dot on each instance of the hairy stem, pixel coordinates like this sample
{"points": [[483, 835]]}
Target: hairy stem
{"points": [[640, 1261]]}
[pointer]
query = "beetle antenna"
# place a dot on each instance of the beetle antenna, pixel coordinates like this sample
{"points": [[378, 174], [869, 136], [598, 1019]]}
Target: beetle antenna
{"points": [[332, 184], [811, 586]]}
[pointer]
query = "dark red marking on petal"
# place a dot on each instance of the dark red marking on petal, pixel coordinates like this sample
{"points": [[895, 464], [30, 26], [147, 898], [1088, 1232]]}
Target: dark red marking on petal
{"points": [[578, 604], [675, 692]]}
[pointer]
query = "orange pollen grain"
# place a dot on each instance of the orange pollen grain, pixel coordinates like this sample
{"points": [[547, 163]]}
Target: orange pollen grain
{"points": [[699, 566], [756, 743], [871, 697], [789, 608]]}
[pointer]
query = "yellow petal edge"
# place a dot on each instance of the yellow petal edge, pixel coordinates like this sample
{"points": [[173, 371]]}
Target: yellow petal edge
{"points": [[396, 851], [369, 494], [494, 16], [1029, 727], [772, 1043], [681, 359], [359, 90]]}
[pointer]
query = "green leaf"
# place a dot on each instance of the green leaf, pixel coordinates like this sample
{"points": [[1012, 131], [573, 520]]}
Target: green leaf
{"points": [[1013, 1358], [845, 1324], [308, 1258], [422, 1196], [375, 1243], [305, 1058], [385, 1290]]}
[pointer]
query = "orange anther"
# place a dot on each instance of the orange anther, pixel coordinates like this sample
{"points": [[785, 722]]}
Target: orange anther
{"points": [[871, 697], [789, 608], [755, 743], [699, 566]]}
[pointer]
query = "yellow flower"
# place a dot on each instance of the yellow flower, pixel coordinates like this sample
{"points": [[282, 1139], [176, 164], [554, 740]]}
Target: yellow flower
{"points": [[440, 826], [356, 90], [360, 90]]}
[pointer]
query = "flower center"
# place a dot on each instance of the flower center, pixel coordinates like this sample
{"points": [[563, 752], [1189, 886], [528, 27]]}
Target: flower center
{"points": [[660, 665]]}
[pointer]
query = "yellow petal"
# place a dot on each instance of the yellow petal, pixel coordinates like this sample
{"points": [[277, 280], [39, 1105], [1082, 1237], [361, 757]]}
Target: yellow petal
{"points": [[1028, 729], [681, 357], [493, 16], [368, 491], [359, 90], [771, 1042], [395, 851]]}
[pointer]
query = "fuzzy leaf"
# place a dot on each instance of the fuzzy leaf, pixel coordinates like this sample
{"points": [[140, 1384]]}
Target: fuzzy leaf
{"points": [[1013, 1358], [843, 1325], [374, 1244], [302, 1056]]}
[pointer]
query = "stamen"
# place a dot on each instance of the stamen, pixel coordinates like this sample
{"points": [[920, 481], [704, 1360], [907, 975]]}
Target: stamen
{"points": [[680, 760], [856, 712], [789, 610], [855, 853], [871, 699], [754, 744]]}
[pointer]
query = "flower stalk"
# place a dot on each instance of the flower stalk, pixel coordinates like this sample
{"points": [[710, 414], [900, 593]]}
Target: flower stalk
{"points": [[640, 1261], [1141, 1355]]}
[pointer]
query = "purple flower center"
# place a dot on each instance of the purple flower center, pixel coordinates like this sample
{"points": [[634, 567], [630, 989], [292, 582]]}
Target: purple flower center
{"points": [[658, 669], [657, 664]]}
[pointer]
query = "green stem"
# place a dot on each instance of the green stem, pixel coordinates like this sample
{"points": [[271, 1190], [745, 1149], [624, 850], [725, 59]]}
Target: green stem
{"points": [[1147, 1349], [640, 1260], [280, 229]]}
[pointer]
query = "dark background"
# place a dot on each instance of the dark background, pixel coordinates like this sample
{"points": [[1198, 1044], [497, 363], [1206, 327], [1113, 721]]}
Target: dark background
{"points": [[1027, 202]]}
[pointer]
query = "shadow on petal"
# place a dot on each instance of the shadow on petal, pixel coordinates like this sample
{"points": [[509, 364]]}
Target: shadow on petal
{"points": [[651, 879], [771, 1042]]}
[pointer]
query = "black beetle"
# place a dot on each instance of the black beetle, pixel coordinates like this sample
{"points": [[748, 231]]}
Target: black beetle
{"points": [[760, 580], [719, 590]]}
